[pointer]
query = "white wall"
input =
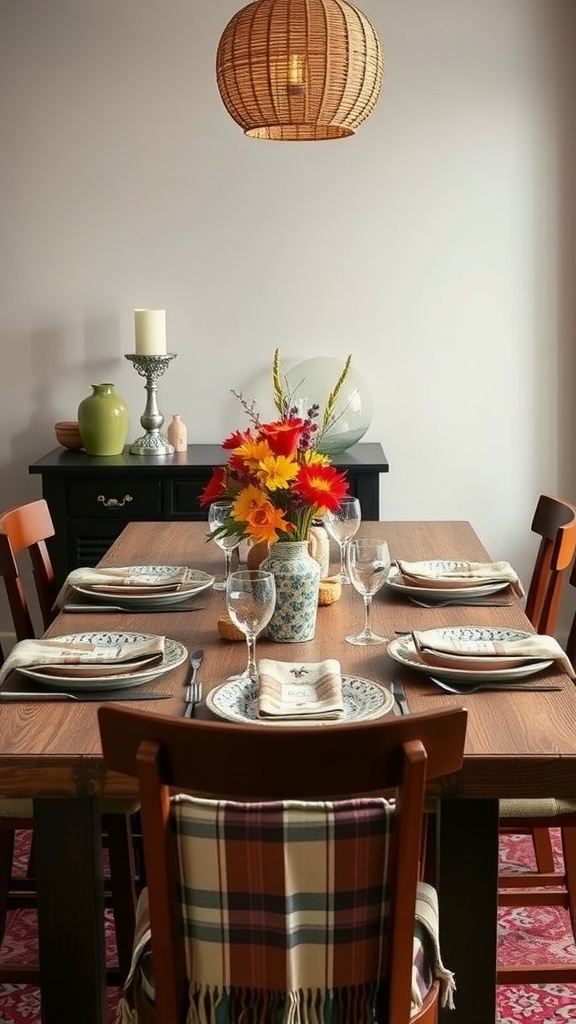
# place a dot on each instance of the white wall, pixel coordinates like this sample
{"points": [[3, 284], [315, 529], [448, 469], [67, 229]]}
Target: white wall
{"points": [[437, 245]]}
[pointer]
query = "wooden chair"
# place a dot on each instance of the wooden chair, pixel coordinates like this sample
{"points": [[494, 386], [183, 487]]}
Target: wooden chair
{"points": [[555, 522], [229, 762], [26, 529]]}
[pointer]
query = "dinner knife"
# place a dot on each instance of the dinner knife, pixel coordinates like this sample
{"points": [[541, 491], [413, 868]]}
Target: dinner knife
{"points": [[130, 611], [14, 696]]}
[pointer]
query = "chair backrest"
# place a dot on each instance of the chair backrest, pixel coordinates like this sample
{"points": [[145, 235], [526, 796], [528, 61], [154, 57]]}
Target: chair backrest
{"points": [[555, 523], [571, 642], [27, 528], [225, 761]]}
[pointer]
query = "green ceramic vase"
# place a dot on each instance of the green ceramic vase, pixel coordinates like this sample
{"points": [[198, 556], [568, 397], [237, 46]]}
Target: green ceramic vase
{"points": [[103, 420]]}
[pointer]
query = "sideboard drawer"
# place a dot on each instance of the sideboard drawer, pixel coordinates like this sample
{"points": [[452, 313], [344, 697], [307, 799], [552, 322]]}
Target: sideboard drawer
{"points": [[184, 497], [111, 496]]}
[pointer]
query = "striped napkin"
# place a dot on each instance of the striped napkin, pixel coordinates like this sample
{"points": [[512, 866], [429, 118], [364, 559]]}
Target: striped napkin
{"points": [[124, 581], [76, 659], [453, 575], [296, 689], [437, 650]]}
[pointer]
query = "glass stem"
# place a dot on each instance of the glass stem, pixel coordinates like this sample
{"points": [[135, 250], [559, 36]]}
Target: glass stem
{"points": [[228, 557], [367, 614], [251, 667], [343, 572]]}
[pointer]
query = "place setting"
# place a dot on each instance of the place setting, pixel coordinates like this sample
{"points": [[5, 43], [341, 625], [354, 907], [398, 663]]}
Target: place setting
{"points": [[440, 582], [472, 656], [89, 666], [283, 693], [133, 588]]}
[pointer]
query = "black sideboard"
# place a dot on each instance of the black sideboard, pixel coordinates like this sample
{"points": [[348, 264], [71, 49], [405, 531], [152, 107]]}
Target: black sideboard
{"points": [[92, 498]]}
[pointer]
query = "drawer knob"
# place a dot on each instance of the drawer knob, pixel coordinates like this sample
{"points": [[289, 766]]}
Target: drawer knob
{"points": [[114, 502]]}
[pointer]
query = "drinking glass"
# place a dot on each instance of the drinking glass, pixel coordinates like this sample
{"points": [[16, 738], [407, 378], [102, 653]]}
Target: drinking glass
{"points": [[342, 525], [368, 565], [218, 514], [250, 600]]}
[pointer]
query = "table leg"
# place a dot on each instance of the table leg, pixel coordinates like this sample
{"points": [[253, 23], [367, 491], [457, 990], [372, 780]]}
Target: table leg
{"points": [[69, 874], [468, 893]]}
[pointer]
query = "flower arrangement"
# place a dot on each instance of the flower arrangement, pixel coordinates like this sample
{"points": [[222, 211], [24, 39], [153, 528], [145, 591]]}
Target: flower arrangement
{"points": [[276, 480]]}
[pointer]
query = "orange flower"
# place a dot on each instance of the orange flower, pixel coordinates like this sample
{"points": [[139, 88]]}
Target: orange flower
{"points": [[283, 436], [321, 486], [263, 523]]}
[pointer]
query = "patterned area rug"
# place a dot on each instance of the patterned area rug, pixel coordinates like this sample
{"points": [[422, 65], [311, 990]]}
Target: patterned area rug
{"points": [[525, 935]]}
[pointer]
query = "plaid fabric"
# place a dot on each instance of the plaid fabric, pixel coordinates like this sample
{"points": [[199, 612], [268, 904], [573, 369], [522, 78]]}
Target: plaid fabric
{"points": [[285, 909]]}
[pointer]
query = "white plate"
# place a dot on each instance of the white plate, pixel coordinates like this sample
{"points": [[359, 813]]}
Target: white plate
{"points": [[174, 654], [201, 580], [444, 593], [403, 651], [237, 701]]}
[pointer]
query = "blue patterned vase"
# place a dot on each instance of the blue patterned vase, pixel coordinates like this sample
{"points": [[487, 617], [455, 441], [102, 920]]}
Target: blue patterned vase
{"points": [[297, 577]]}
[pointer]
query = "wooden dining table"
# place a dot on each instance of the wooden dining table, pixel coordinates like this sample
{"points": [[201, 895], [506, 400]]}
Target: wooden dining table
{"points": [[519, 744]]}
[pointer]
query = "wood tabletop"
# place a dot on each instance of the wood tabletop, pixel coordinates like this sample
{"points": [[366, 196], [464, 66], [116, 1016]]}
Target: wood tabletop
{"points": [[518, 743]]}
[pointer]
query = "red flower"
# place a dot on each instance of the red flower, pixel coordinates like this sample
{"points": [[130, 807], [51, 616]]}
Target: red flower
{"points": [[283, 436], [236, 439], [321, 485], [216, 486]]}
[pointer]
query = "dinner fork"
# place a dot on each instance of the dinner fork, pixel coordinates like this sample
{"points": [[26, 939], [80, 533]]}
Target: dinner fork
{"points": [[465, 689], [193, 691], [462, 602]]}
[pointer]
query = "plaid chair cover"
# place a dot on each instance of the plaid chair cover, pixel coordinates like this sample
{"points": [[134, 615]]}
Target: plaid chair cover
{"points": [[284, 908]]}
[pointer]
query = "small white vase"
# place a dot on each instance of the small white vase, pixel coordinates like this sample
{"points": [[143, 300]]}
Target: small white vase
{"points": [[177, 434]]}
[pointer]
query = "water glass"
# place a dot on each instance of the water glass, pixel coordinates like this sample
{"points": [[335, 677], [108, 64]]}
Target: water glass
{"points": [[250, 600], [219, 514], [342, 525], [368, 564]]}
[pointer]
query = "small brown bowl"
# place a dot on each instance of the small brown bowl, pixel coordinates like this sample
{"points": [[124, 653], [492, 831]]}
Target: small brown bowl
{"points": [[68, 434]]}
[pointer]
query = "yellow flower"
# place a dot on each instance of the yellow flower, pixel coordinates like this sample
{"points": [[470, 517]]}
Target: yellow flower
{"points": [[248, 499], [276, 472], [312, 457], [253, 452]]}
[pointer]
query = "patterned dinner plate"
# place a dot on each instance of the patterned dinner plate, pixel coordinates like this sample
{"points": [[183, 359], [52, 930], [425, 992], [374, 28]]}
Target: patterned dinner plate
{"points": [[403, 650], [446, 590], [236, 700], [174, 654], [195, 582]]}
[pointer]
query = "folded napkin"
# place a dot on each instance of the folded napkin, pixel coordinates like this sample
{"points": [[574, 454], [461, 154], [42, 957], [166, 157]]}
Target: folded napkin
{"points": [[436, 649], [75, 659], [463, 574], [296, 689], [127, 582]]}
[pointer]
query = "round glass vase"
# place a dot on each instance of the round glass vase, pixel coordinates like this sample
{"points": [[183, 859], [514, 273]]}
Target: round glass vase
{"points": [[297, 577], [103, 420]]}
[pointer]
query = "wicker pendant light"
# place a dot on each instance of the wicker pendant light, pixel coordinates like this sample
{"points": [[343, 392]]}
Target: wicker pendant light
{"points": [[297, 70]]}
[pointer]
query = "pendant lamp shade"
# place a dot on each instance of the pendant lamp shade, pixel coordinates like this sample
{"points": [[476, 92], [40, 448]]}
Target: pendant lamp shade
{"points": [[299, 70]]}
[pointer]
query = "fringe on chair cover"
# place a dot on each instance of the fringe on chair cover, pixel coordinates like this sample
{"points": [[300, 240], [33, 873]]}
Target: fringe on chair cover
{"points": [[272, 937]]}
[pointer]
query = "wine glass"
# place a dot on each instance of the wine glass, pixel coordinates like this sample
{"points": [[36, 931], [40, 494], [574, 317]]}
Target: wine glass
{"points": [[219, 514], [250, 600], [342, 524], [368, 565]]}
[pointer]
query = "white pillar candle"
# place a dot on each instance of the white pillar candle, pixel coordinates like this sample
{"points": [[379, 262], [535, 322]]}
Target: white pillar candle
{"points": [[150, 332]]}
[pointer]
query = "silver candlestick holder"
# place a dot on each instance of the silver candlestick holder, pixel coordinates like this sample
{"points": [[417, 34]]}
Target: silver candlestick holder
{"points": [[152, 442]]}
